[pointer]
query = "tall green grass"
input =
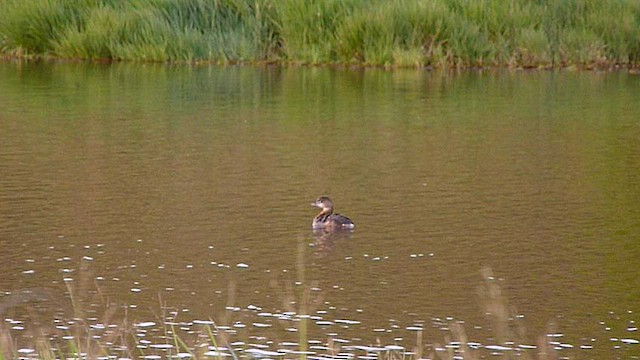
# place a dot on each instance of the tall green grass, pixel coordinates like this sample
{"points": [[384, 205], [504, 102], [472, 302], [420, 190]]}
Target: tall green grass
{"points": [[408, 33]]}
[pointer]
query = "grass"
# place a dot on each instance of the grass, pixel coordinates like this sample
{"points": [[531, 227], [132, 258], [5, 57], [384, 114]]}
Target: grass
{"points": [[397, 33], [112, 335]]}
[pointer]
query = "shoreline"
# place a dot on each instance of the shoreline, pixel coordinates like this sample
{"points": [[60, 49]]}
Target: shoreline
{"points": [[438, 34], [613, 67]]}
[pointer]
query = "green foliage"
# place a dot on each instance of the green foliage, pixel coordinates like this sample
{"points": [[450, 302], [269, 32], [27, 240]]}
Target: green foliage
{"points": [[531, 48], [307, 28], [32, 26], [440, 33]]}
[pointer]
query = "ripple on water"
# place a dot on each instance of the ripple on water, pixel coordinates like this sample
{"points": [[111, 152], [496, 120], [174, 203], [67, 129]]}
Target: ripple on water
{"points": [[319, 347], [288, 343], [261, 325], [145, 324], [365, 348], [262, 353], [217, 354], [497, 348]]}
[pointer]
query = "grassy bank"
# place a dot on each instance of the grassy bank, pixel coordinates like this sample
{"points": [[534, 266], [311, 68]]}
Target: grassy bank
{"points": [[403, 33]]}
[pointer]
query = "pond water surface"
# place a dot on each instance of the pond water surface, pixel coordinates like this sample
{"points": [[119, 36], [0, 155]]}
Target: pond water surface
{"points": [[181, 195]]}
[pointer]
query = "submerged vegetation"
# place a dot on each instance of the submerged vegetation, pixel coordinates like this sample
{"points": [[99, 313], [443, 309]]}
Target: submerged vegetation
{"points": [[402, 33]]}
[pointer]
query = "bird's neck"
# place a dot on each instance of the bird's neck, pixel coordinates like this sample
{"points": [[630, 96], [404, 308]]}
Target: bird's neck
{"points": [[325, 213]]}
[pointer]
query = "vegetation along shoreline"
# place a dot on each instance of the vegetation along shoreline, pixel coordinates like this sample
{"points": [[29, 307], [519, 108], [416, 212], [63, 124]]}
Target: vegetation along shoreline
{"points": [[442, 34]]}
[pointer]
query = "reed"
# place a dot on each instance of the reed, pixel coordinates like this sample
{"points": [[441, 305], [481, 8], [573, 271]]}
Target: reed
{"points": [[308, 29], [115, 336], [30, 27], [405, 33]]}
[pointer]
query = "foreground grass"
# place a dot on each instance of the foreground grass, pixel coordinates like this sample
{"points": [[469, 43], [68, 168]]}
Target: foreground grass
{"points": [[97, 329], [401, 33]]}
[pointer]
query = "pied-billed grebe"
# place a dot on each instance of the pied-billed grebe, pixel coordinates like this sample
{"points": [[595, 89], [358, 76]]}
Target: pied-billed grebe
{"points": [[327, 219]]}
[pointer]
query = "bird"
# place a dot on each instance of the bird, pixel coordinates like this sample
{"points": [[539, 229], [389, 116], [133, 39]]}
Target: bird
{"points": [[326, 219]]}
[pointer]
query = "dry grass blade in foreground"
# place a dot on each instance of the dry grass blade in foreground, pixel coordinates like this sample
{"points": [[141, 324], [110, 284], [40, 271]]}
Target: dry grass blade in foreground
{"points": [[85, 335]]}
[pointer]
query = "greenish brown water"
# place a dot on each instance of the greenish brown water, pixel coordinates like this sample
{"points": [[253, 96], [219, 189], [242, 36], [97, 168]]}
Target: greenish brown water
{"points": [[162, 180]]}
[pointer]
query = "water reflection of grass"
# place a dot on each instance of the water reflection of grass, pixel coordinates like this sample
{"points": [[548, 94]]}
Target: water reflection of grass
{"points": [[112, 335], [413, 33]]}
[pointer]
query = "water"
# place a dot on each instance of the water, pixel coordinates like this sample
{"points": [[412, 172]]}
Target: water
{"points": [[181, 194]]}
